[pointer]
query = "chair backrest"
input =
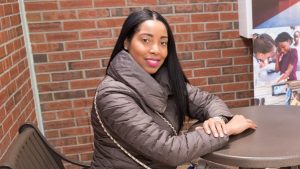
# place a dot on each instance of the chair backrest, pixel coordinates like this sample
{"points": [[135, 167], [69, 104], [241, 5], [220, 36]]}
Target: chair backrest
{"points": [[31, 150]]}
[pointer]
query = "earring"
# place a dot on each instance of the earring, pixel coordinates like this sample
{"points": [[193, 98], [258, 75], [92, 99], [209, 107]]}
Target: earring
{"points": [[125, 47]]}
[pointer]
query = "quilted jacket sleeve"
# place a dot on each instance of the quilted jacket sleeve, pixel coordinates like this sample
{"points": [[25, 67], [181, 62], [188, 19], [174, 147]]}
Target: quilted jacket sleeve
{"points": [[137, 130], [204, 105]]}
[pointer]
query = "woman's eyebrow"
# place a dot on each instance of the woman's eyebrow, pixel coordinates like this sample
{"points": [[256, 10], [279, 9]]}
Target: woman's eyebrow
{"points": [[151, 35]]}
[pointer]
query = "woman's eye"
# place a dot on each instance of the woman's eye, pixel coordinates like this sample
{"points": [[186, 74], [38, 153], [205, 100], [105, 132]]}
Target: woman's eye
{"points": [[145, 40], [164, 43]]}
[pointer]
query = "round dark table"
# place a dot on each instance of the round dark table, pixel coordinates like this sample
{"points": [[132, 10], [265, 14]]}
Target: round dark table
{"points": [[275, 142]]}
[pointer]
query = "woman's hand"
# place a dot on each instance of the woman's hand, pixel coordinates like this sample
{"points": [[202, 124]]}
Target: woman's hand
{"points": [[216, 126], [238, 124]]}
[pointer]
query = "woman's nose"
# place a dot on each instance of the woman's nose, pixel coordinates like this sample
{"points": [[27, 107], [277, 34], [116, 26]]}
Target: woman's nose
{"points": [[154, 48]]}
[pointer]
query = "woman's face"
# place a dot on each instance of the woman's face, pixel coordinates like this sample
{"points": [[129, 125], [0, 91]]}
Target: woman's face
{"points": [[283, 47], [149, 45]]}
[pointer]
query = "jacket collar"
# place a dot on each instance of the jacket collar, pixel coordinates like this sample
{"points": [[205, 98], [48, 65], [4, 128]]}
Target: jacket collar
{"points": [[153, 90]]}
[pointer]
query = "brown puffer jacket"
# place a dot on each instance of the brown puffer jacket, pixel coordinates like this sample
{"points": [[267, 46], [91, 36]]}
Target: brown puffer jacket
{"points": [[128, 100]]}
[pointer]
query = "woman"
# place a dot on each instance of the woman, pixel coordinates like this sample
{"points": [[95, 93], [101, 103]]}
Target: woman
{"points": [[143, 99]]}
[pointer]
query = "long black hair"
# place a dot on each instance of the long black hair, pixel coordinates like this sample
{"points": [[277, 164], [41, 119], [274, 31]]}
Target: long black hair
{"points": [[177, 78]]}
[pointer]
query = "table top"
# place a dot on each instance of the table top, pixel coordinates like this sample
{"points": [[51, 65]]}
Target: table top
{"points": [[275, 143]]}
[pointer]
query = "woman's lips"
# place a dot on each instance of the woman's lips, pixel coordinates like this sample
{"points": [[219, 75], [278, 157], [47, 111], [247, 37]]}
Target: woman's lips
{"points": [[152, 62]]}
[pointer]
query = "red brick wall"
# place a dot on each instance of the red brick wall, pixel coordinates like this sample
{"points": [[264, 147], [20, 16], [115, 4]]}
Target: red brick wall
{"points": [[72, 41], [16, 98]]}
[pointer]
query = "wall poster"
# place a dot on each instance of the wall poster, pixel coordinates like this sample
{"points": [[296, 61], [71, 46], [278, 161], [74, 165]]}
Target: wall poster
{"points": [[275, 29]]}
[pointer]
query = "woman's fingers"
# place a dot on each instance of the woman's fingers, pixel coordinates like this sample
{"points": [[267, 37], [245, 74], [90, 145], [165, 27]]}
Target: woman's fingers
{"points": [[215, 126]]}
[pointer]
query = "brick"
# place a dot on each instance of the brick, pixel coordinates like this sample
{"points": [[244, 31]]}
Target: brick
{"points": [[212, 88], [50, 67], [40, 58], [91, 54], [59, 105], [51, 134], [46, 97], [75, 131], [218, 7], [220, 79], [204, 17], [95, 34], [67, 114], [63, 141], [235, 52], [5, 22], [190, 47], [161, 9], [78, 25], [69, 95], [83, 65], [207, 36], [85, 139], [141, 3], [207, 72], [111, 3], [59, 124], [198, 81], [64, 56], [235, 69], [2, 11], [120, 12], [83, 103], [226, 96], [78, 149], [219, 62], [2, 52], [190, 28], [185, 56], [76, 4], [219, 45], [47, 87], [59, 15], [235, 87], [183, 37], [91, 44], [45, 27], [192, 64], [219, 26], [84, 84], [167, 2], [62, 36], [37, 38], [238, 103], [109, 23], [105, 43], [15, 20], [244, 94], [65, 76], [188, 73], [244, 77], [95, 73], [178, 19], [207, 54], [243, 42], [39, 6], [42, 78], [189, 8], [93, 13], [242, 60], [8, 9], [229, 16]]}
